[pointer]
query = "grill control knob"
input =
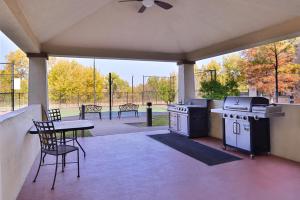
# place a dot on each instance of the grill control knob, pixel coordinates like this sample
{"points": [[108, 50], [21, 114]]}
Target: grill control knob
{"points": [[225, 115], [238, 117], [231, 116], [245, 118]]}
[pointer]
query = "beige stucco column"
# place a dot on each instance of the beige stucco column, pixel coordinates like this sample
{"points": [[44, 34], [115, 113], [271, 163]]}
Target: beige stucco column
{"points": [[38, 80], [186, 81]]}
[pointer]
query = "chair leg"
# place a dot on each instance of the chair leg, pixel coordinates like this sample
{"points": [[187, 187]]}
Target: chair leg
{"points": [[61, 138], [65, 155], [80, 147], [74, 135], [37, 173], [78, 174], [44, 158], [99, 115], [62, 163], [52, 188]]}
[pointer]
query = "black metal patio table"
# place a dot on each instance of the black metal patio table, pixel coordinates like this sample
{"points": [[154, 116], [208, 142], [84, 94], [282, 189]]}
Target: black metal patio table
{"points": [[64, 126]]}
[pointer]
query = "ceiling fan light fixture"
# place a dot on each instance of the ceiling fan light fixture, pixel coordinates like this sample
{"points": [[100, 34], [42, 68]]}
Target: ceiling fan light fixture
{"points": [[148, 3]]}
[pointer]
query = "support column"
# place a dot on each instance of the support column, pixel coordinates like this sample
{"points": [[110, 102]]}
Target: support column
{"points": [[186, 81], [38, 80]]}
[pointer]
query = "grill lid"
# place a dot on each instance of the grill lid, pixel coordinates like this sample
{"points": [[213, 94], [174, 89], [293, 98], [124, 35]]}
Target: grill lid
{"points": [[199, 102], [244, 103]]}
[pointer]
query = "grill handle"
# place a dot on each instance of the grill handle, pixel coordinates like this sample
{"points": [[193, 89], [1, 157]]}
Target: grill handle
{"points": [[234, 127], [238, 128]]}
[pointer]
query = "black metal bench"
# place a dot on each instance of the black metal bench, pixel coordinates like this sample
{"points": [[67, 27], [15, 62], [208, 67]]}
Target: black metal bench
{"points": [[129, 107], [89, 109]]}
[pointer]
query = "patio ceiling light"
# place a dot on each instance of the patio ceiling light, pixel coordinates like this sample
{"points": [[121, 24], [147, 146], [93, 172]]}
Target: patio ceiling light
{"points": [[148, 3]]}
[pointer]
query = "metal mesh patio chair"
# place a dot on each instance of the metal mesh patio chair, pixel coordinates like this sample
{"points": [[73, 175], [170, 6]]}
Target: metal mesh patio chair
{"points": [[50, 146], [55, 115]]}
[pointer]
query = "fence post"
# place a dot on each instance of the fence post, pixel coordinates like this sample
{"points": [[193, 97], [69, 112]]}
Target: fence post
{"points": [[110, 95], [19, 100], [78, 99], [132, 89], [60, 99], [143, 93], [12, 87]]}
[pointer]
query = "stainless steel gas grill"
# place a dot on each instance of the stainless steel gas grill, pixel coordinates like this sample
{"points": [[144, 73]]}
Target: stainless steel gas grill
{"points": [[246, 124], [191, 119]]}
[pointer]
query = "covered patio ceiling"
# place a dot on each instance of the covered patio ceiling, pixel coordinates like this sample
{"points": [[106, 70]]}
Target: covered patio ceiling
{"points": [[191, 30]]}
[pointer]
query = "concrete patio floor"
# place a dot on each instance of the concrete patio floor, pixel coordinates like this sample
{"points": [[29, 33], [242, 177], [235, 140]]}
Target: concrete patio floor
{"points": [[117, 126], [135, 167]]}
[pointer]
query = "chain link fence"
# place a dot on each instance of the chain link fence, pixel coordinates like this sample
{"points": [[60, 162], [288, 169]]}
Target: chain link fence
{"points": [[102, 98]]}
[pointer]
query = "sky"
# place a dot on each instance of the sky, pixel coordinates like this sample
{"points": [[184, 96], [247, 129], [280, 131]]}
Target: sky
{"points": [[125, 68]]}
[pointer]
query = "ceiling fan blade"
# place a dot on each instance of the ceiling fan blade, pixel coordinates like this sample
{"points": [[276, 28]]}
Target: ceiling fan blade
{"points": [[129, 0], [164, 5], [142, 9]]}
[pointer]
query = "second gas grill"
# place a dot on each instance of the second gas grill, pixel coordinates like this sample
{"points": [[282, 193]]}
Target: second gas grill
{"points": [[246, 124]]}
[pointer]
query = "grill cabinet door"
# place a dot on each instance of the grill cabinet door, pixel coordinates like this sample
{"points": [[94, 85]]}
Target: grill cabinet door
{"points": [[173, 121], [183, 124], [230, 136], [243, 136]]}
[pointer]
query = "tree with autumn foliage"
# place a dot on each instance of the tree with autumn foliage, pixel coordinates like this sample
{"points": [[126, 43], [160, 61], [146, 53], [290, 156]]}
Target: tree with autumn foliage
{"points": [[270, 68], [20, 63], [69, 79], [229, 81], [119, 86]]}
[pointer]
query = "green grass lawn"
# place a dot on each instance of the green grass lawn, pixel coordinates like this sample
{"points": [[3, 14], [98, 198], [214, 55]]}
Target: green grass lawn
{"points": [[159, 120], [86, 133]]}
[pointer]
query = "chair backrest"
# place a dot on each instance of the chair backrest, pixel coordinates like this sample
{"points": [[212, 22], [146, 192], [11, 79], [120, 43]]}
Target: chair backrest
{"points": [[90, 108], [93, 108], [54, 114], [47, 135], [128, 107]]}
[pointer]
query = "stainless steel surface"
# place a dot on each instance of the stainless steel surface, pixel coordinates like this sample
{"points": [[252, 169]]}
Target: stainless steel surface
{"points": [[180, 115], [243, 140], [199, 102], [237, 133], [267, 109], [243, 104], [230, 135]]}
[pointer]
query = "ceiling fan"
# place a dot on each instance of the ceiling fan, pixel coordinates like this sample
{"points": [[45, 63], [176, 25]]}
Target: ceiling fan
{"points": [[150, 3]]}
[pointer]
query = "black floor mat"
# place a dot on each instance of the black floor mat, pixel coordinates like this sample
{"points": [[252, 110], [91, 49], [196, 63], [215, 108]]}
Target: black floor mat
{"points": [[203, 153]]}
